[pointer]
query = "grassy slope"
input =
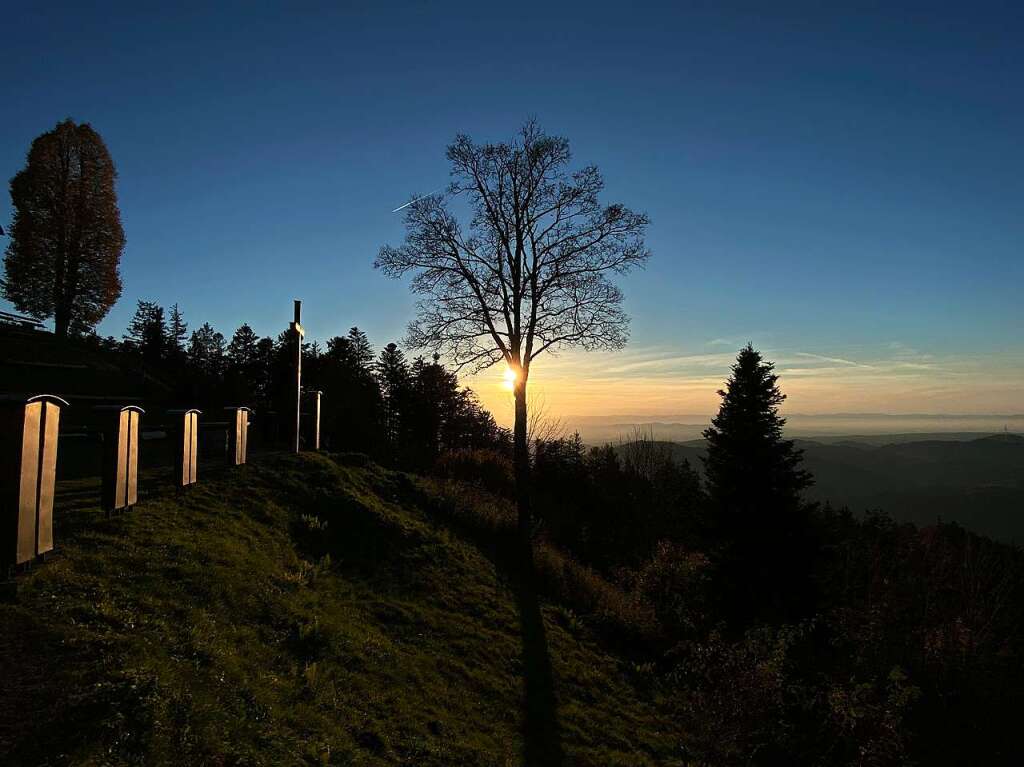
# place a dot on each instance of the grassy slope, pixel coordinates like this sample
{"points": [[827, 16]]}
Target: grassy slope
{"points": [[223, 627]]}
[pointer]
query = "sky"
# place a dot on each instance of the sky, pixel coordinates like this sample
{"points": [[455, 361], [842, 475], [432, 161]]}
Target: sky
{"points": [[843, 188]]}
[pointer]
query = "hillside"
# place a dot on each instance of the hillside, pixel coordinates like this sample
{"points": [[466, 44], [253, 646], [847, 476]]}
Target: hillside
{"points": [[978, 483], [302, 611], [35, 361]]}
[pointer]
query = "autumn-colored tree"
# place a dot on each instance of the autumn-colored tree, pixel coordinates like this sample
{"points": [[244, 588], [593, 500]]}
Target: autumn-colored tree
{"points": [[66, 236], [529, 272]]}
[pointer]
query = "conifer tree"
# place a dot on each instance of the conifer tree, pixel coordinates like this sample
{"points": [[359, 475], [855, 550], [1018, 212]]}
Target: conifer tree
{"points": [[241, 352], [748, 463], [177, 333], [241, 362], [147, 331], [206, 351], [754, 484], [361, 348], [393, 379]]}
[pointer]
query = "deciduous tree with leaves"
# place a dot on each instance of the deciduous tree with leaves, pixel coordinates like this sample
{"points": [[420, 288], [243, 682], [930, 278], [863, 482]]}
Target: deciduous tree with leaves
{"points": [[529, 271], [66, 237]]}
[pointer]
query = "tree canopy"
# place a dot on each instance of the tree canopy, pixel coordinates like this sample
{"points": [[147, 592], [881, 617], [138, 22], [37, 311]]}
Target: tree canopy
{"points": [[531, 270], [66, 238]]}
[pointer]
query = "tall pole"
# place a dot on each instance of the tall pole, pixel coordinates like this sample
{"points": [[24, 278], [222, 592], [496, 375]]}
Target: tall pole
{"points": [[297, 334]]}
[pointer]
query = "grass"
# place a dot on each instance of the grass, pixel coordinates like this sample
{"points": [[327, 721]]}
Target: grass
{"points": [[305, 610]]}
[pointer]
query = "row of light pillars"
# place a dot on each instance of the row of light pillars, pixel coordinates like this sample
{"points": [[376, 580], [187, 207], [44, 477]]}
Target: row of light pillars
{"points": [[28, 465], [28, 457]]}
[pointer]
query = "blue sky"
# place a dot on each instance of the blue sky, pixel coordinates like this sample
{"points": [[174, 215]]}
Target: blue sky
{"points": [[845, 189]]}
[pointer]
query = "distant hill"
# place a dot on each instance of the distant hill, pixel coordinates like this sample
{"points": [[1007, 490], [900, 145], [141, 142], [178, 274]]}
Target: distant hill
{"points": [[873, 428], [978, 483]]}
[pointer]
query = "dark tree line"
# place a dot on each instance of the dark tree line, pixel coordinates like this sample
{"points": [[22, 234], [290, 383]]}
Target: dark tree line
{"points": [[400, 412]]}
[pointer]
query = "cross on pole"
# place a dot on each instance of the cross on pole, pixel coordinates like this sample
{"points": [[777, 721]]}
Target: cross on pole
{"points": [[297, 334]]}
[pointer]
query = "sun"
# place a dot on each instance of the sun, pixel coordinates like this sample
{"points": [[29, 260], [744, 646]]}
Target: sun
{"points": [[509, 379]]}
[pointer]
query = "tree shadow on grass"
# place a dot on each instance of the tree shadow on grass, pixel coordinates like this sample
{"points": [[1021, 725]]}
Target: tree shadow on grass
{"points": [[542, 744]]}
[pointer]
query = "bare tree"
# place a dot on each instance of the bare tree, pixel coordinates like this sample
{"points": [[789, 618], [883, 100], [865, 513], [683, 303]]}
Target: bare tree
{"points": [[528, 273], [541, 424]]}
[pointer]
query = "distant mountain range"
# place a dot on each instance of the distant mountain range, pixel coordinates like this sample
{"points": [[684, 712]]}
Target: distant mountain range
{"points": [[977, 482], [599, 429]]}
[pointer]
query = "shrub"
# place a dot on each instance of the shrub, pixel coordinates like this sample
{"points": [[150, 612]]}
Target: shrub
{"points": [[487, 469], [677, 583]]}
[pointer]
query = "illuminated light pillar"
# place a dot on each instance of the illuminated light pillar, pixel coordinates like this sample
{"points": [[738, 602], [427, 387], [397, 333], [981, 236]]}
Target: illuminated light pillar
{"points": [[28, 472], [238, 435], [186, 446], [297, 333], [120, 488]]}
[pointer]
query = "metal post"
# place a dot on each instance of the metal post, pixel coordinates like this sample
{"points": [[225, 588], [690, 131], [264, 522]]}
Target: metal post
{"points": [[186, 446], [120, 488], [313, 420], [28, 472], [297, 334]]}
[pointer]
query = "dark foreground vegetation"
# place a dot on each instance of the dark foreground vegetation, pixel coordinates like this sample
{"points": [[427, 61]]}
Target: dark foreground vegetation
{"points": [[780, 630], [328, 610], [322, 610]]}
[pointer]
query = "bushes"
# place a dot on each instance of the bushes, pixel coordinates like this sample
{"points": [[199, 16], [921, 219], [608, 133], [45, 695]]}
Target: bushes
{"points": [[753, 700], [912, 653], [487, 469], [677, 582], [617, 614]]}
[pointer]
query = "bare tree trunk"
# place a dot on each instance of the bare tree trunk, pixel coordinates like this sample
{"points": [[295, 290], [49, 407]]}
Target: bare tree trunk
{"points": [[61, 321], [521, 458]]}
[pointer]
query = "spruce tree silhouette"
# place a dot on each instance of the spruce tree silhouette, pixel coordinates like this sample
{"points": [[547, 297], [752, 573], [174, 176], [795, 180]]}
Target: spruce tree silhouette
{"points": [[754, 483]]}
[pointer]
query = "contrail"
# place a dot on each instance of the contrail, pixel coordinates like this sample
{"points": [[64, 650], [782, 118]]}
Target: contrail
{"points": [[400, 207]]}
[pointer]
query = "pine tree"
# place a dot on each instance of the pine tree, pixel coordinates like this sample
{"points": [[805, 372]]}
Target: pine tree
{"points": [[177, 333], [754, 484], [748, 463], [241, 352], [361, 349], [264, 376], [393, 379], [206, 351], [147, 331], [241, 361]]}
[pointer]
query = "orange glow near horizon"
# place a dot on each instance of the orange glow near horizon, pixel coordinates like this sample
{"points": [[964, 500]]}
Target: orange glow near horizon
{"points": [[660, 383]]}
